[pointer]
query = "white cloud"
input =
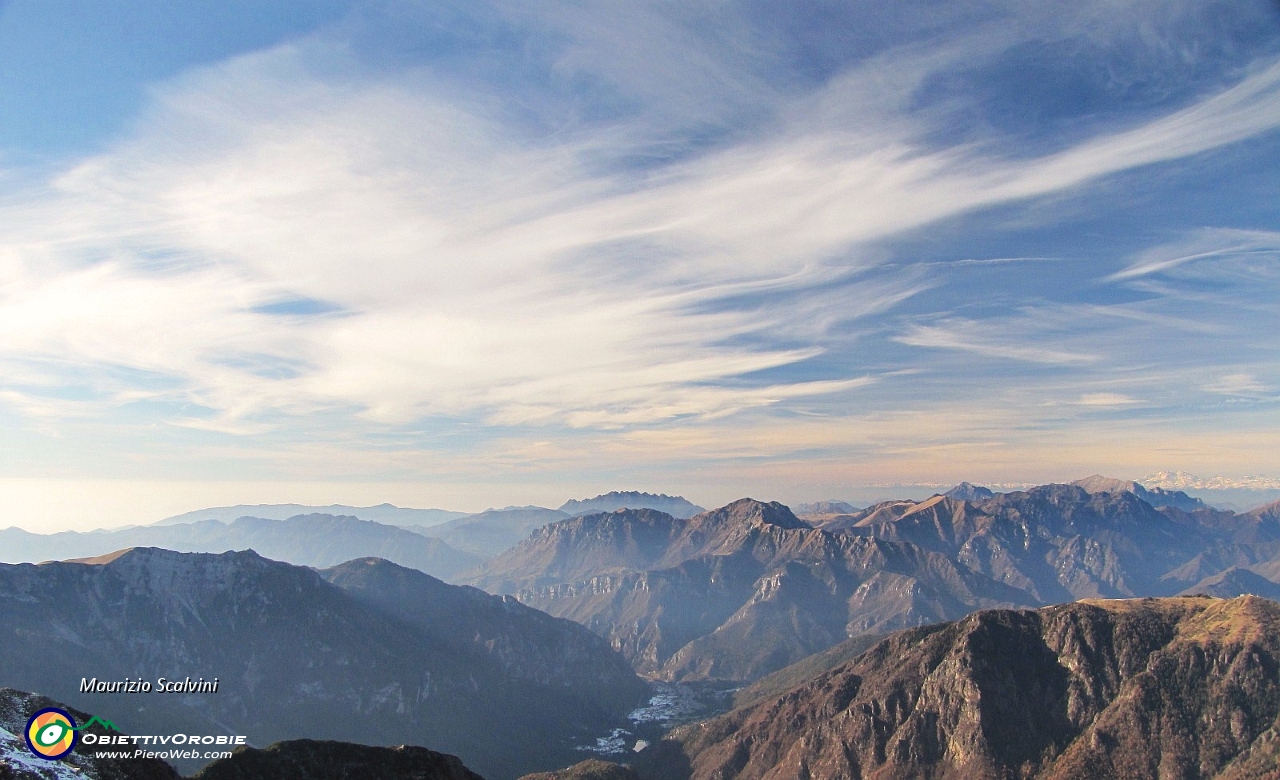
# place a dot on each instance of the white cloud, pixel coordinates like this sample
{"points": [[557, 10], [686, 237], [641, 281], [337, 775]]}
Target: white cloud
{"points": [[1107, 399], [485, 274], [991, 340], [1237, 384], [1205, 244], [41, 407]]}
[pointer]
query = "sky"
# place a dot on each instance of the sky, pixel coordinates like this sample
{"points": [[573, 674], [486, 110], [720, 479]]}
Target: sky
{"points": [[472, 254]]}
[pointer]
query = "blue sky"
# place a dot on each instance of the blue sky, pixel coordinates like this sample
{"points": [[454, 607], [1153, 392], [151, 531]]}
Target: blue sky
{"points": [[470, 254]]}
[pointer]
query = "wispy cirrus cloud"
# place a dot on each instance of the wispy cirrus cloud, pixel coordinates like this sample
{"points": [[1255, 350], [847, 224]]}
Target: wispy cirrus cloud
{"points": [[1237, 384], [1205, 244], [1107, 400], [986, 340]]}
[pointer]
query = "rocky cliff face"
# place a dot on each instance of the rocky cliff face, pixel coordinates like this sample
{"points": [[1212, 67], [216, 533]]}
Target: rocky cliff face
{"points": [[1169, 688], [381, 655]]}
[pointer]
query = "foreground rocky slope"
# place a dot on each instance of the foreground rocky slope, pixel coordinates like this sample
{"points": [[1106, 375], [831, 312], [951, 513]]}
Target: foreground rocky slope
{"points": [[307, 759], [1169, 688], [295, 760], [18, 763], [380, 655], [592, 769]]}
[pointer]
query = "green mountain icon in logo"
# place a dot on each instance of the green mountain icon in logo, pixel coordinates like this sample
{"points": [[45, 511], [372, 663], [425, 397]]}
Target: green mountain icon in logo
{"points": [[106, 724]]}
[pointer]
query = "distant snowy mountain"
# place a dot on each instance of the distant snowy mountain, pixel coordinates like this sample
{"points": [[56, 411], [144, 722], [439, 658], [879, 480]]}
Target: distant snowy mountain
{"points": [[1181, 480]]}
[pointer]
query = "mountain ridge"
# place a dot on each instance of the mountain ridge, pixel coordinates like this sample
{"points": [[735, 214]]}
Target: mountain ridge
{"points": [[1178, 687]]}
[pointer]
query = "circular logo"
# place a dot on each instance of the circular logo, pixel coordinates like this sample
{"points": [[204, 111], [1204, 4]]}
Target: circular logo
{"points": [[51, 733]]}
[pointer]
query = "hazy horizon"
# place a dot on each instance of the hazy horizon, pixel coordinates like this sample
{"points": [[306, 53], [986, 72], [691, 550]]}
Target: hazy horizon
{"points": [[40, 508]]}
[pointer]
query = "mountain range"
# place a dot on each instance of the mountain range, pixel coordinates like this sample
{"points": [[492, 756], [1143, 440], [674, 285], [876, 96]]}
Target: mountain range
{"points": [[365, 652], [443, 544], [387, 514], [905, 639], [739, 592], [1147, 688], [733, 593], [307, 540]]}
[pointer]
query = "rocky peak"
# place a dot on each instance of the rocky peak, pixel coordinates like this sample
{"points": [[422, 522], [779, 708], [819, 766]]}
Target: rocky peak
{"points": [[1100, 484], [1267, 512], [967, 491], [750, 512]]}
